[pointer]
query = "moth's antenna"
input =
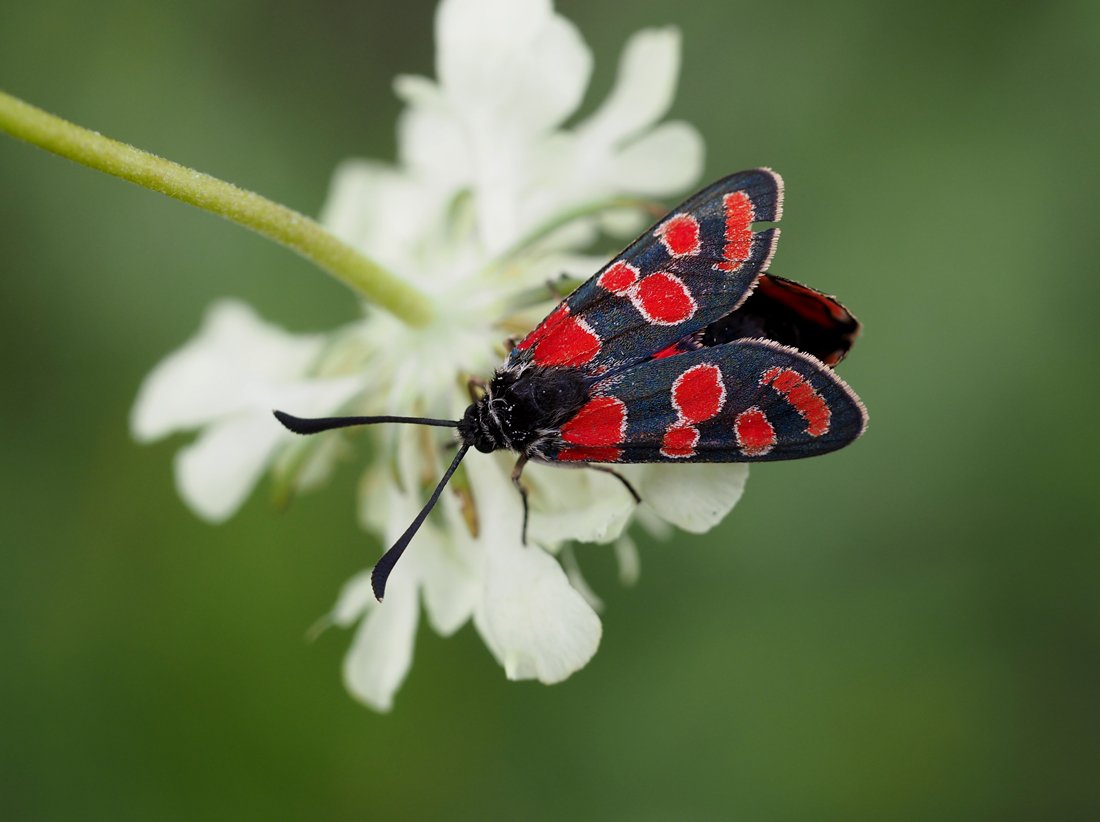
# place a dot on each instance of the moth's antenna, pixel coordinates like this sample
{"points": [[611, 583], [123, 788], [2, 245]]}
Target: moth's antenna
{"points": [[300, 425], [381, 571]]}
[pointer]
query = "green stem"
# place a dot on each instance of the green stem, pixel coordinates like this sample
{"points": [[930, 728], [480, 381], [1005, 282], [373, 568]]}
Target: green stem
{"points": [[246, 208]]}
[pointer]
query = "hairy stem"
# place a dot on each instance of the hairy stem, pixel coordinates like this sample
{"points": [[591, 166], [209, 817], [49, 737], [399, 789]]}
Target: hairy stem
{"points": [[246, 208]]}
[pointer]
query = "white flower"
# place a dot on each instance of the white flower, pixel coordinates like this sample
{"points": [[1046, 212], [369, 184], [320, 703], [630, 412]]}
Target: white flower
{"points": [[226, 381], [510, 73], [476, 213]]}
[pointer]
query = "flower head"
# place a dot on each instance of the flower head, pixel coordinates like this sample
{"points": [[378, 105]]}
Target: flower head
{"points": [[492, 196]]}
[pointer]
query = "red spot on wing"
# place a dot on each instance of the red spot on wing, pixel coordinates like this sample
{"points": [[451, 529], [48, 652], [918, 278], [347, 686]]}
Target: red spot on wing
{"points": [[545, 327], [584, 454], [618, 277], [572, 342], [600, 422], [663, 299], [755, 435], [680, 440], [562, 340], [802, 396], [680, 235], [739, 216], [699, 393]]}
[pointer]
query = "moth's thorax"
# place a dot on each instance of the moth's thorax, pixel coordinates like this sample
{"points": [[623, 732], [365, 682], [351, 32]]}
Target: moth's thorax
{"points": [[524, 408]]}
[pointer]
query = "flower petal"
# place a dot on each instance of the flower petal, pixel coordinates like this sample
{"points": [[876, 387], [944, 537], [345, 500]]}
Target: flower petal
{"points": [[431, 142], [380, 655], [221, 370], [451, 575], [665, 161], [356, 598], [369, 205], [354, 195], [652, 522], [628, 560], [511, 71], [418, 91], [443, 562], [582, 505], [450, 587], [644, 87], [576, 578], [693, 497], [532, 619], [215, 473], [513, 61], [534, 622], [307, 465]]}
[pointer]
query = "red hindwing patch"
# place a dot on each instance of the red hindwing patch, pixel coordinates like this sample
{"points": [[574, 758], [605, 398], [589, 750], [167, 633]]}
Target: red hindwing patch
{"points": [[755, 435], [802, 397], [739, 217], [680, 235]]}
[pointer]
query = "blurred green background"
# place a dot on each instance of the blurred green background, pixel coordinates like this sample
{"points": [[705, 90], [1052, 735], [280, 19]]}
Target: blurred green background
{"points": [[905, 630]]}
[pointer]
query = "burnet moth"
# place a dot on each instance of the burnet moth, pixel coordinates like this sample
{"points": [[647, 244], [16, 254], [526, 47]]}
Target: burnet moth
{"points": [[681, 349]]}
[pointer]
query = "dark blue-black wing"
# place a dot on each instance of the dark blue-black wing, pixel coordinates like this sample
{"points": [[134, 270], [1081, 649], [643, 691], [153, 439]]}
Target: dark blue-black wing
{"points": [[745, 401], [691, 268]]}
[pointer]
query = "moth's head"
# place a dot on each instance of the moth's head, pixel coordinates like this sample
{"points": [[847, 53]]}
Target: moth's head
{"points": [[475, 427]]}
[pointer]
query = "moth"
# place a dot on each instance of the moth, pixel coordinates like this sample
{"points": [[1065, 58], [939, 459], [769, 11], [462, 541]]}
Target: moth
{"points": [[684, 348]]}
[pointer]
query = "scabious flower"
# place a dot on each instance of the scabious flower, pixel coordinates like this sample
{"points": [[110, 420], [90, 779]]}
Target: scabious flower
{"points": [[491, 197]]}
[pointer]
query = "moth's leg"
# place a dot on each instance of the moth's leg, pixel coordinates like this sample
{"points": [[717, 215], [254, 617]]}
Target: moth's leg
{"points": [[626, 483], [517, 472], [477, 388], [510, 344]]}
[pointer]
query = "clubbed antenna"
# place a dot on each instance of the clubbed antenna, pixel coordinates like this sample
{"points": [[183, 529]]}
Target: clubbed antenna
{"points": [[304, 425], [381, 571]]}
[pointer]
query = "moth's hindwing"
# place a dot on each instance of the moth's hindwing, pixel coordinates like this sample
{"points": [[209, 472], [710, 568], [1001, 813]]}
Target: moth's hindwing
{"points": [[746, 401], [691, 268], [789, 313]]}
